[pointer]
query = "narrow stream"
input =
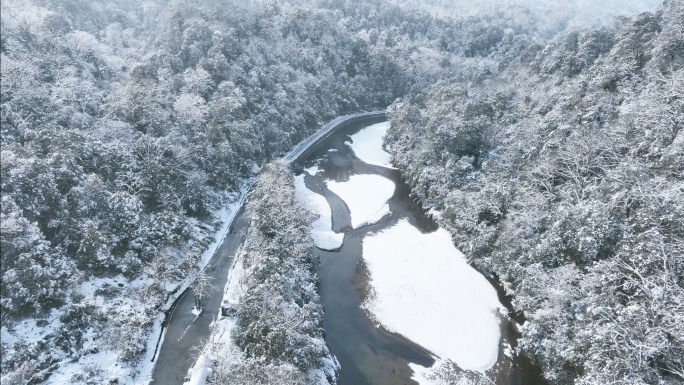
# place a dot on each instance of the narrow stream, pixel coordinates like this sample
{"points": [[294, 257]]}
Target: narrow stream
{"points": [[368, 354]]}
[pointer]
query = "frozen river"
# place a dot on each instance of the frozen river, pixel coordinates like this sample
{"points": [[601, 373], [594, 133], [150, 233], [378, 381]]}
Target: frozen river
{"points": [[402, 304]]}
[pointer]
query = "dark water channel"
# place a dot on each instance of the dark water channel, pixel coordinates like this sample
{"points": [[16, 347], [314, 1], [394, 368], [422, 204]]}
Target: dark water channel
{"points": [[369, 354]]}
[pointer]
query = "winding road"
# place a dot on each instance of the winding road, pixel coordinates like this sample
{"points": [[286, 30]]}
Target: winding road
{"points": [[183, 328]]}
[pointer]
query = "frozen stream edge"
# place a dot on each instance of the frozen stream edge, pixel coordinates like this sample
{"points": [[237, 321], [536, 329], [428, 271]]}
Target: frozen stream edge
{"points": [[321, 228]]}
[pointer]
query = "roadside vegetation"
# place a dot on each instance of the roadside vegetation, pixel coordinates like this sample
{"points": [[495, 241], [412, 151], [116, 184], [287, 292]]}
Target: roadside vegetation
{"points": [[275, 318]]}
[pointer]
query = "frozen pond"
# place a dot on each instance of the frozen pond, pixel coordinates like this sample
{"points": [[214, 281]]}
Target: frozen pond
{"points": [[367, 145]]}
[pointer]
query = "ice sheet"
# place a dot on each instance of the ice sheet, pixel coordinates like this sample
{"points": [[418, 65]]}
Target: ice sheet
{"points": [[321, 228], [425, 290], [367, 145], [366, 197]]}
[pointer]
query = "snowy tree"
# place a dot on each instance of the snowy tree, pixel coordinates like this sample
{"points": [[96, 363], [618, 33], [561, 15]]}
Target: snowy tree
{"points": [[200, 287]]}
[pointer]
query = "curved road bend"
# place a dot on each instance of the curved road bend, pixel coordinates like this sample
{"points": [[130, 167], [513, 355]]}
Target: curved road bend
{"points": [[175, 354]]}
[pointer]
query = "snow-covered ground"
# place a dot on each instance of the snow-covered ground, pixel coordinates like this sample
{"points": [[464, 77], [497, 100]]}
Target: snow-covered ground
{"points": [[98, 354], [424, 289], [366, 197], [321, 228], [97, 351], [367, 145]]}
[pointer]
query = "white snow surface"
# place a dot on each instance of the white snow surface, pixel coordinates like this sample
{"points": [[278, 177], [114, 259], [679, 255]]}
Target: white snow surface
{"points": [[421, 375], [105, 358], [201, 376], [367, 145], [366, 197], [425, 290], [313, 170], [321, 228], [440, 373], [435, 214]]}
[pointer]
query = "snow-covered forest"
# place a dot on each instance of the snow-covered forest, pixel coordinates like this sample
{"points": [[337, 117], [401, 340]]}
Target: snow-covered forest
{"points": [[125, 125], [548, 144], [560, 168]]}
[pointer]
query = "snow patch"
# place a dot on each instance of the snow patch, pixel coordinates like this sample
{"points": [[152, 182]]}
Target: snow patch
{"points": [[366, 197], [201, 377], [435, 214], [508, 350], [200, 372], [313, 170], [440, 373], [367, 145], [255, 169], [319, 376], [425, 290], [321, 228]]}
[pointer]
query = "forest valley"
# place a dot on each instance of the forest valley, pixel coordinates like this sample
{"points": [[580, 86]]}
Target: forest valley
{"points": [[554, 157]]}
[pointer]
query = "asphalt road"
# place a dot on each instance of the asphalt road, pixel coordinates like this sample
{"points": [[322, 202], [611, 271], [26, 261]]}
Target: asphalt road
{"points": [[176, 355]]}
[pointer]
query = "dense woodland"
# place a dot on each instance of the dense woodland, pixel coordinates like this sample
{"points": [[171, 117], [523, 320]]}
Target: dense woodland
{"points": [[126, 124], [560, 168], [556, 162], [279, 326]]}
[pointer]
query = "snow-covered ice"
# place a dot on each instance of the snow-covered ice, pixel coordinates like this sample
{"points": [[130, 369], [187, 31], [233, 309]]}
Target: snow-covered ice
{"points": [[367, 145], [321, 228], [423, 375], [425, 290], [313, 170], [366, 197]]}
